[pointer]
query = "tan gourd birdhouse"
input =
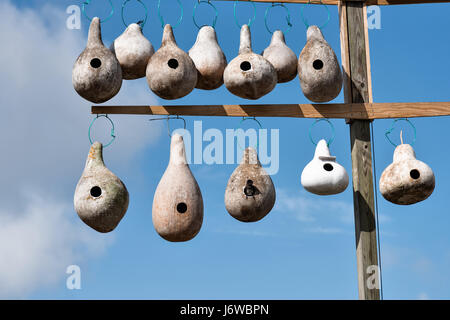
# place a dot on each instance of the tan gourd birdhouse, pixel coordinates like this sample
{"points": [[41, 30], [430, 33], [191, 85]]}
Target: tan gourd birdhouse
{"points": [[171, 73], [209, 59], [178, 204], [281, 57], [318, 68], [250, 194], [249, 75], [101, 199], [406, 180], [323, 175], [133, 51], [96, 75]]}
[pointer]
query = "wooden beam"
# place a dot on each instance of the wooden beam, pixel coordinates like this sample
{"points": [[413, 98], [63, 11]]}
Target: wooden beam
{"points": [[362, 111], [361, 150], [368, 2]]}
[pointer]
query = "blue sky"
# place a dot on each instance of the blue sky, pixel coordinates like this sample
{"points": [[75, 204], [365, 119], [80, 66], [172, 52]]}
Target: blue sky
{"points": [[304, 249]]}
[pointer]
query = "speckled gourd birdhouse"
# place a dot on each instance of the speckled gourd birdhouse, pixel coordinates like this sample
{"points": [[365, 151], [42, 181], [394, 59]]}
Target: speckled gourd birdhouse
{"points": [[250, 194], [133, 51], [209, 59], [281, 57], [96, 75], [406, 180], [178, 204], [101, 199], [249, 75], [323, 175], [318, 68], [171, 73]]}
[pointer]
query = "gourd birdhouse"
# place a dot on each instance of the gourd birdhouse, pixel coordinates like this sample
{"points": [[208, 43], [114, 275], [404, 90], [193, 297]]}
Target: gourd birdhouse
{"points": [[133, 51], [96, 75], [323, 175], [178, 204], [406, 180], [249, 75], [281, 57], [101, 199], [209, 59], [171, 73], [250, 194], [318, 68]]}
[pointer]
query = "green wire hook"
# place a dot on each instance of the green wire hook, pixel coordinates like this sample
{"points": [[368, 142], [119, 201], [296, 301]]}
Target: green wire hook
{"points": [[240, 127], [142, 22], [250, 21], [333, 133], [162, 19], [112, 130], [88, 2], [288, 17], [389, 131], [215, 10], [306, 21]]}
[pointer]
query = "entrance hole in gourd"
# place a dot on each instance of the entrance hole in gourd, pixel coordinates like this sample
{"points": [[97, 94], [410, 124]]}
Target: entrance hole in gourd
{"points": [[245, 66], [181, 207], [328, 167], [318, 64], [96, 63], [173, 63], [415, 174], [96, 192]]}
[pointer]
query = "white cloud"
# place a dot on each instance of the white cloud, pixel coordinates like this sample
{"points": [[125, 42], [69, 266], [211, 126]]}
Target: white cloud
{"points": [[310, 209], [43, 134], [423, 296], [37, 247]]}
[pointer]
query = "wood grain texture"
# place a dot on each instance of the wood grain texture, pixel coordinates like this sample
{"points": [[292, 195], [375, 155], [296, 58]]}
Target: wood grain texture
{"points": [[368, 2], [361, 152], [362, 111]]}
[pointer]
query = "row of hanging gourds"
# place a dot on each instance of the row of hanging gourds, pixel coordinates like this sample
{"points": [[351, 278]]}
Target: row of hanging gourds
{"points": [[172, 73], [101, 199]]}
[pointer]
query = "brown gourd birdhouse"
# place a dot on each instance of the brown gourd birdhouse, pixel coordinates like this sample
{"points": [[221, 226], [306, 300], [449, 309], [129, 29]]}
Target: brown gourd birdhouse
{"points": [[133, 51], [101, 199], [178, 204], [96, 75], [281, 57], [406, 180], [250, 194], [249, 75], [318, 68], [171, 73], [209, 59]]}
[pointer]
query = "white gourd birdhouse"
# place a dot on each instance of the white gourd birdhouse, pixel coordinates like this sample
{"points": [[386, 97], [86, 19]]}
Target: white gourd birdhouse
{"points": [[178, 204], [133, 51], [100, 199], [209, 59], [96, 75], [281, 57], [323, 175], [249, 75], [406, 180], [318, 68], [171, 73], [250, 194]]}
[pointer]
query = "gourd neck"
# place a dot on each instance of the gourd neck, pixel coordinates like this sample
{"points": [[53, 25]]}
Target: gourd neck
{"points": [[246, 40], [95, 34]]}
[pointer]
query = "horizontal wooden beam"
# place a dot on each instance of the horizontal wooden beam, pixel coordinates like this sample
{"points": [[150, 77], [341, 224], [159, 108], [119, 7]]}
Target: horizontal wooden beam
{"points": [[368, 2], [366, 111]]}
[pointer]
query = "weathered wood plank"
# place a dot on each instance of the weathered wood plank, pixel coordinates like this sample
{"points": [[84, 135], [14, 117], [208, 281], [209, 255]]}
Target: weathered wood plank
{"points": [[368, 2], [361, 152], [363, 111]]}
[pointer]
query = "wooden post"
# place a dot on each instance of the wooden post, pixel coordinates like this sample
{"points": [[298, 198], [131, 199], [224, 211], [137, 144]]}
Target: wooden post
{"points": [[357, 87]]}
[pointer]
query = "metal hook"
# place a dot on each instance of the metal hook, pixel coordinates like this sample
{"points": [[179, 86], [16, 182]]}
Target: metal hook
{"points": [[389, 131], [88, 2], [141, 22], [113, 136], [177, 117], [333, 133]]}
